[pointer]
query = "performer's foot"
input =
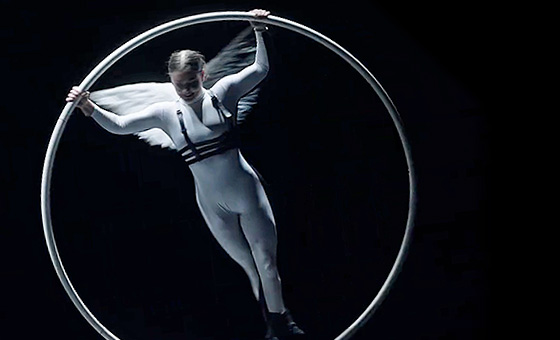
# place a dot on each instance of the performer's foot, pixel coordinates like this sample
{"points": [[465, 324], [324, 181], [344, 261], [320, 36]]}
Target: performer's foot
{"points": [[280, 325]]}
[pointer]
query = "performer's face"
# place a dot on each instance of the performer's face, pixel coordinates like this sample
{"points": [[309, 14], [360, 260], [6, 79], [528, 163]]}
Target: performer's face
{"points": [[188, 84]]}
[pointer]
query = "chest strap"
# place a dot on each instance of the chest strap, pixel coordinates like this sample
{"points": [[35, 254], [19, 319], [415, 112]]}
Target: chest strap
{"points": [[190, 144], [210, 147]]}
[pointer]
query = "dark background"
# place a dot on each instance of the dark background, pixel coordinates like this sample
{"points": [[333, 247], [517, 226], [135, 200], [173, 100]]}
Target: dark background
{"points": [[128, 230]]}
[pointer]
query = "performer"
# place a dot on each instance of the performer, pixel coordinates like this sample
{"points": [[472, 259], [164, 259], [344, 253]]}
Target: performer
{"points": [[202, 125]]}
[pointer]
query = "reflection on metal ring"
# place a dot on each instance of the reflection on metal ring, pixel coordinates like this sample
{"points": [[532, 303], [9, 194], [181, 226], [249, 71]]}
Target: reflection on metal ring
{"points": [[206, 18]]}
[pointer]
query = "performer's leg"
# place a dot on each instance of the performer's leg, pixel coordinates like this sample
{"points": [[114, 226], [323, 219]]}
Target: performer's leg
{"points": [[260, 230], [225, 228], [259, 227]]}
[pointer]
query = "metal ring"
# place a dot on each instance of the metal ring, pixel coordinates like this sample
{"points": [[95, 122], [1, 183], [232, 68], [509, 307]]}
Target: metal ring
{"points": [[206, 18]]}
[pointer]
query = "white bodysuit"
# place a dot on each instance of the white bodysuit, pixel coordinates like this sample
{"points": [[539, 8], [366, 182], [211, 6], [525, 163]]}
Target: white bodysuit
{"points": [[228, 191]]}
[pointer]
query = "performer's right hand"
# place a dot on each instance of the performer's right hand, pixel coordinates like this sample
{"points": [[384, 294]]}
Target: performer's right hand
{"points": [[83, 100]]}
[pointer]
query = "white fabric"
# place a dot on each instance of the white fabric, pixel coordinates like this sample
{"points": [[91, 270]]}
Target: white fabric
{"points": [[139, 98], [132, 98]]}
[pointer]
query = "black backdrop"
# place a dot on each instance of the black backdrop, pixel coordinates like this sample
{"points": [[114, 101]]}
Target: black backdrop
{"points": [[127, 227]]}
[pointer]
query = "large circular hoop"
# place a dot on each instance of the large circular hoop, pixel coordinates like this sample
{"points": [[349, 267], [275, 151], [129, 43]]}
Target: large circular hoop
{"points": [[206, 18]]}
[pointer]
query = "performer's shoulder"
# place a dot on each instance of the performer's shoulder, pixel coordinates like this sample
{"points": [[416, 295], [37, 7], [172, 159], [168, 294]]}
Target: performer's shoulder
{"points": [[218, 89], [163, 109], [166, 106]]}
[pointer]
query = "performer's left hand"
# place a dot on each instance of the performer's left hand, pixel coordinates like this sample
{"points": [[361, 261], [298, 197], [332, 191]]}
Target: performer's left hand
{"points": [[259, 13]]}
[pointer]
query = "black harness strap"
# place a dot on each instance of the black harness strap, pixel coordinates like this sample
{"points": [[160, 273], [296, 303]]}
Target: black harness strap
{"points": [[210, 147], [190, 144], [220, 108], [201, 146]]}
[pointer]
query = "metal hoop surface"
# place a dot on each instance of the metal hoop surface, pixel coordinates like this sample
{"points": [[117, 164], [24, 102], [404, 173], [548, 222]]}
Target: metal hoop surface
{"points": [[206, 18]]}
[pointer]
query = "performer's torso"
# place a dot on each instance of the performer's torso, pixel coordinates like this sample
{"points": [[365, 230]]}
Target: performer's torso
{"points": [[203, 122], [201, 119]]}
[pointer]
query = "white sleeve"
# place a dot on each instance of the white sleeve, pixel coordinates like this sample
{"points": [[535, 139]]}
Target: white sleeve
{"points": [[238, 84], [150, 117]]}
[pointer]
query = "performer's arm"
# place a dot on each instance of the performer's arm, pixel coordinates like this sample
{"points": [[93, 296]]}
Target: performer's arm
{"points": [[146, 119], [236, 85]]}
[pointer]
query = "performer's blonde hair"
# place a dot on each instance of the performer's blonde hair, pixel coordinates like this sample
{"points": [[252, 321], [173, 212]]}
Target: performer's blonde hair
{"points": [[186, 60]]}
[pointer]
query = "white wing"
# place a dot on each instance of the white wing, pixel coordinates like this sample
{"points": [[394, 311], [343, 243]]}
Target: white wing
{"points": [[234, 57], [125, 99], [131, 98]]}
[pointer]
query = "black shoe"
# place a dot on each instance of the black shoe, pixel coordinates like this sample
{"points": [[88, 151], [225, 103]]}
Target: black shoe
{"points": [[281, 325]]}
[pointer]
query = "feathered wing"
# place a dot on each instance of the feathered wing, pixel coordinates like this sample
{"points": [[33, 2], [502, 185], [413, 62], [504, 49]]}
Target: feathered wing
{"points": [[234, 57], [126, 99], [131, 98]]}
